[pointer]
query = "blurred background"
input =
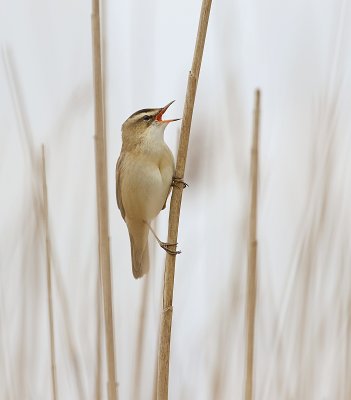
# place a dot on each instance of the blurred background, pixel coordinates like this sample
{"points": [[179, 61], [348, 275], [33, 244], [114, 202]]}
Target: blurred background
{"points": [[297, 53]]}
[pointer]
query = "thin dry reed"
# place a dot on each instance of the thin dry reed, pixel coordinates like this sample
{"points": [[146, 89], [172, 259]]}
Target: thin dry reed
{"points": [[252, 256], [166, 318], [71, 340], [48, 276], [32, 243], [99, 336], [140, 344], [102, 201]]}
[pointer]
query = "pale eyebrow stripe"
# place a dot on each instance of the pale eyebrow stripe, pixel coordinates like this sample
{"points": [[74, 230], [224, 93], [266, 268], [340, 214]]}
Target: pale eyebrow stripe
{"points": [[143, 111]]}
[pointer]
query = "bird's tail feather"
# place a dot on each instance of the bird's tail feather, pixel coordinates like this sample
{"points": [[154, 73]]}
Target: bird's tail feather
{"points": [[138, 234]]}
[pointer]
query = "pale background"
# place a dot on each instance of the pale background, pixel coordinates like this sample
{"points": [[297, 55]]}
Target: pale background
{"points": [[298, 54]]}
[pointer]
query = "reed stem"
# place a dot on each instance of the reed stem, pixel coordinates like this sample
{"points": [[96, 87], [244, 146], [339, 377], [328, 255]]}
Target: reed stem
{"points": [[166, 317], [252, 256], [102, 201], [48, 276]]}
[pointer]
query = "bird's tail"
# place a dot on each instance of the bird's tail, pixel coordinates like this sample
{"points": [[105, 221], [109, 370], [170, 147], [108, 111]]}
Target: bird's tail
{"points": [[138, 234]]}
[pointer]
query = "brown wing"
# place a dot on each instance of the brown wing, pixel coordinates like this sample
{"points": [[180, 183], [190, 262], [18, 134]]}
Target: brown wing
{"points": [[118, 185]]}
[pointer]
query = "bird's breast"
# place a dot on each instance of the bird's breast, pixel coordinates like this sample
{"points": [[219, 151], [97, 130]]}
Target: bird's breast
{"points": [[146, 181]]}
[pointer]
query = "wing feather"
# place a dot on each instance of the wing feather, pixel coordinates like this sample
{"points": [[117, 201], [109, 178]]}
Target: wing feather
{"points": [[118, 185]]}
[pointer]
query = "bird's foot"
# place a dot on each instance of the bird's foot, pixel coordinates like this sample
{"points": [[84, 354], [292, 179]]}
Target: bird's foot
{"points": [[166, 247], [178, 181]]}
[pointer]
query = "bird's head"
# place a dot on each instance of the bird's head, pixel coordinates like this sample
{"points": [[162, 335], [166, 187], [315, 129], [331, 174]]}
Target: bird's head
{"points": [[145, 121]]}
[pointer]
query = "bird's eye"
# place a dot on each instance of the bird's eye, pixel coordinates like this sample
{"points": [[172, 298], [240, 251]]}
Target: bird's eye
{"points": [[146, 117]]}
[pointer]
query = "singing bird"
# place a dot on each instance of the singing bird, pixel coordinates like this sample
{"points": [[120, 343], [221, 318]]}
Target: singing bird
{"points": [[144, 175]]}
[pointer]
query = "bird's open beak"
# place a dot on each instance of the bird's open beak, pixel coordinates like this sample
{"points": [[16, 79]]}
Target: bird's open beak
{"points": [[162, 111]]}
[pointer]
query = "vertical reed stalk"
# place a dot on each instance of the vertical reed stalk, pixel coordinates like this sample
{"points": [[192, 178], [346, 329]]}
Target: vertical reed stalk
{"points": [[102, 200], [98, 380], [252, 256], [71, 342], [166, 317], [140, 345], [48, 276]]}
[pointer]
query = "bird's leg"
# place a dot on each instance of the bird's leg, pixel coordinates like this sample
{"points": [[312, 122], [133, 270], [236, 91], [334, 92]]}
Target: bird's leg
{"points": [[178, 181], [175, 182], [164, 245]]}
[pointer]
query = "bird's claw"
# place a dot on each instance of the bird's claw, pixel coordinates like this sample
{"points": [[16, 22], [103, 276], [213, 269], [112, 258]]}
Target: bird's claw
{"points": [[176, 181], [166, 248]]}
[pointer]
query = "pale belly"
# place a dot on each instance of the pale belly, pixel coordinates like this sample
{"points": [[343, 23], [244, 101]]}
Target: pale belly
{"points": [[146, 189]]}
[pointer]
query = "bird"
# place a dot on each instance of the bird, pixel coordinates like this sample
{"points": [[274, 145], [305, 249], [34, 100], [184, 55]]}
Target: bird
{"points": [[144, 177]]}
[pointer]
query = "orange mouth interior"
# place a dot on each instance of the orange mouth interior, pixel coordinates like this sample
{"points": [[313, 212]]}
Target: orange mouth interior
{"points": [[162, 111]]}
